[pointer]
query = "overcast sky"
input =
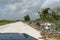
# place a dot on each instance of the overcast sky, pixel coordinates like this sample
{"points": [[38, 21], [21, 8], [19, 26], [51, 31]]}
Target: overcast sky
{"points": [[16, 9]]}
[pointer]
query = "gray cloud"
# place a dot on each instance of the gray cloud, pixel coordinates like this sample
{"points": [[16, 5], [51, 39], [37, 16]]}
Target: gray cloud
{"points": [[50, 3], [16, 9]]}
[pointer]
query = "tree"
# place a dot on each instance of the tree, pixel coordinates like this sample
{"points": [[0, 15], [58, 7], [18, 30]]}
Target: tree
{"points": [[27, 18], [46, 16], [45, 11], [53, 17]]}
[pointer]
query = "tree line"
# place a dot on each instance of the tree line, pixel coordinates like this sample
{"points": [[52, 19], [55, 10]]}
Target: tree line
{"points": [[46, 15]]}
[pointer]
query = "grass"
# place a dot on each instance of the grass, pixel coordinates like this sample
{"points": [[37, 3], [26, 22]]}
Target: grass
{"points": [[58, 39], [3, 22]]}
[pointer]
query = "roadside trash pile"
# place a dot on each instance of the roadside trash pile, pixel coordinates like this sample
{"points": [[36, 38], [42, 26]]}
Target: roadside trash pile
{"points": [[48, 32]]}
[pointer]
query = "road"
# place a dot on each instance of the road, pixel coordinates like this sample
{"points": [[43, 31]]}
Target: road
{"points": [[20, 27]]}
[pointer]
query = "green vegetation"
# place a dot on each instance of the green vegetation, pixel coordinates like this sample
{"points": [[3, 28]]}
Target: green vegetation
{"points": [[27, 18], [3, 22], [46, 16], [52, 16], [49, 15]]}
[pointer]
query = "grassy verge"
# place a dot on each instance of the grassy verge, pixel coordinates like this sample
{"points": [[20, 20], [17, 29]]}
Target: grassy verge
{"points": [[3, 22]]}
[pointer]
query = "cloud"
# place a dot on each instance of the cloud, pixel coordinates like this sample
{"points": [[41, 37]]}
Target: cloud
{"points": [[50, 3], [16, 9]]}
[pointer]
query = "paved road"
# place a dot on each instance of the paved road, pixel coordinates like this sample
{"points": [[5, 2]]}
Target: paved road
{"points": [[20, 27]]}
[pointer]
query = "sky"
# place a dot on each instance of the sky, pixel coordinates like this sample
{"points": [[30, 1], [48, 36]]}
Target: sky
{"points": [[17, 9]]}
